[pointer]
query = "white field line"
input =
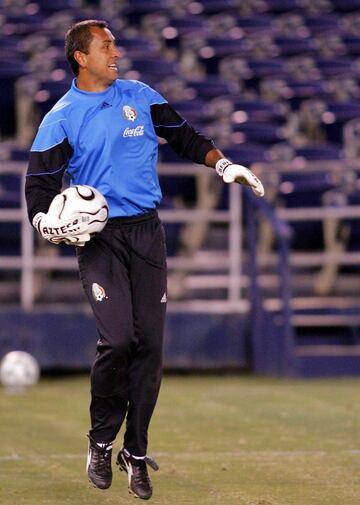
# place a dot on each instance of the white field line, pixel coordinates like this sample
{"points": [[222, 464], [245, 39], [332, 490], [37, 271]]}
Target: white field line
{"points": [[194, 455]]}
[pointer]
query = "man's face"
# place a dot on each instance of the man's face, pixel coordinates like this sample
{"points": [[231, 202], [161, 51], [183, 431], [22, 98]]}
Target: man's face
{"points": [[100, 64]]}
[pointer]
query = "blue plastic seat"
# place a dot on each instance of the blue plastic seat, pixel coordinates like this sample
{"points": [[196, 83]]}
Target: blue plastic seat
{"points": [[346, 5], [323, 23], [10, 191], [192, 110], [59, 5], [262, 133], [277, 6], [340, 67], [352, 44], [274, 67], [225, 46], [188, 24], [295, 91], [50, 92], [212, 87], [217, 6], [303, 190], [10, 244], [10, 70], [247, 153], [24, 24], [156, 67], [290, 46], [138, 47], [336, 116], [320, 152], [344, 111], [253, 24], [317, 182], [259, 110]]}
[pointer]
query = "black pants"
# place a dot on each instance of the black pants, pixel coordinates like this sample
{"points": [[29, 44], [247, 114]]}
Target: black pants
{"points": [[123, 272]]}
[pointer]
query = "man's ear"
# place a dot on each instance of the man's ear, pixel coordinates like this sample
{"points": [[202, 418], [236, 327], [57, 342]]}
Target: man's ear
{"points": [[81, 58]]}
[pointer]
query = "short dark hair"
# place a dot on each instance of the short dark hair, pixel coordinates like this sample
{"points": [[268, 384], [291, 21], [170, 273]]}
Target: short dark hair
{"points": [[78, 38]]}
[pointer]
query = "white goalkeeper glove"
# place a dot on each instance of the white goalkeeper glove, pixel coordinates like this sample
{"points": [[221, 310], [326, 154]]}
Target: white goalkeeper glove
{"points": [[56, 230], [230, 172], [60, 230]]}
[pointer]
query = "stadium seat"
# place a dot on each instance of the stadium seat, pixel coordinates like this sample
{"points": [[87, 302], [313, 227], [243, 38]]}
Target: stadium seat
{"points": [[50, 92], [10, 191], [289, 46], [10, 71], [259, 110], [138, 47], [352, 44], [270, 67], [224, 46], [320, 152], [262, 133], [346, 5], [335, 117], [192, 110], [255, 24], [303, 190], [296, 91], [246, 154], [323, 23], [279, 6], [212, 87], [155, 67], [21, 25], [188, 24], [215, 6], [339, 67]]}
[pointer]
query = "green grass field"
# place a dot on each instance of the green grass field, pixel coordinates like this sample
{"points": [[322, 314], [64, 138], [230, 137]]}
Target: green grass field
{"points": [[220, 440]]}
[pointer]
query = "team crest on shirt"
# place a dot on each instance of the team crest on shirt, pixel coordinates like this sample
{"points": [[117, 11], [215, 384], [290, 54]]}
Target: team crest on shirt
{"points": [[129, 113]]}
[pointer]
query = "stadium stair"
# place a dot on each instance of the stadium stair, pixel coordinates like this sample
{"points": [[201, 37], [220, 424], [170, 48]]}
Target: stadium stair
{"points": [[297, 336]]}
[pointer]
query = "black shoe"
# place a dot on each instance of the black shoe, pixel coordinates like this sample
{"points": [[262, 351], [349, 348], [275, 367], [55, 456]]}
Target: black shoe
{"points": [[99, 463], [138, 477]]}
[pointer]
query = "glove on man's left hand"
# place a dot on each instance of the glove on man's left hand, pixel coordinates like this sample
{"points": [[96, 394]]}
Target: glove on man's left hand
{"points": [[230, 172]]}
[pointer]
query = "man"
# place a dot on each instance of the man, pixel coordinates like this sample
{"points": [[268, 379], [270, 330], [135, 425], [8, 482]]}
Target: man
{"points": [[103, 133]]}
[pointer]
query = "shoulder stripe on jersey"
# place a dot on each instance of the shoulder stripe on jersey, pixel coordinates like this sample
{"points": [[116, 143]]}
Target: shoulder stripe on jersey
{"points": [[159, 103], [53, 122], [50, 173], [48, 147], [169, 126]]}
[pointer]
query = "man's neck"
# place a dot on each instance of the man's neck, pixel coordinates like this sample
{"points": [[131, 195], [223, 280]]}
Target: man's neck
{"points": [[91, 86]]}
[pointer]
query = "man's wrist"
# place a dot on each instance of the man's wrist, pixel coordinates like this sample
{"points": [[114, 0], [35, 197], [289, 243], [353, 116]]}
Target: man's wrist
{"points": [[36, 220], [221, 165]]}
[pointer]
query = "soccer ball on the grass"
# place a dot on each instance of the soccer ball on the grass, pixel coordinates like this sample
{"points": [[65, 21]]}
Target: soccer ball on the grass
{"points": [[18, 370], [84, 202]]}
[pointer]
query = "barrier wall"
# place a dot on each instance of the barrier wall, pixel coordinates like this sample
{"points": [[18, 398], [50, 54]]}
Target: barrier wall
{"points": [[68, 340]]}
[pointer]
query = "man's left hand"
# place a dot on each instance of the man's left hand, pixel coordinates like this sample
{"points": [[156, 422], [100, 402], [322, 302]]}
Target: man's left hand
{"points": [[230, 172]]}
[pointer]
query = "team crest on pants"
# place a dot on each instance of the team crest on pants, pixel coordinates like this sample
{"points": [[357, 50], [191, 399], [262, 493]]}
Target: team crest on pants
{"points": [[98, 292]]}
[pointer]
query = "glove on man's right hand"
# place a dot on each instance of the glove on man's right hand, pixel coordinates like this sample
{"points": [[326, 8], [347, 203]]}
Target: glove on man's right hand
{"points": [[71, 231]]}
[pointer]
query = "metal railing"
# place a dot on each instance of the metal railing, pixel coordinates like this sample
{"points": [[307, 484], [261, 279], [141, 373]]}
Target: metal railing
{"points": [[208, 270], [29, 262]]}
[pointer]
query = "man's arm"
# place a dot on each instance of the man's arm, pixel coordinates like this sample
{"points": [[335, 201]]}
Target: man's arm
{"points": [[181, 136], [189, 143], [44, 176]]}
